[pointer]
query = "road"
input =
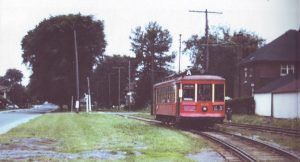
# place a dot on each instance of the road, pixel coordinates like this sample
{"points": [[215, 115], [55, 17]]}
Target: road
{"points": [[13, 118]]}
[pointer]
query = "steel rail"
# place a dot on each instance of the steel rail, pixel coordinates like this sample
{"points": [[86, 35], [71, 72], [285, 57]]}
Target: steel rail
{"points": [[286, 131], [277, 149], [238, 152]]}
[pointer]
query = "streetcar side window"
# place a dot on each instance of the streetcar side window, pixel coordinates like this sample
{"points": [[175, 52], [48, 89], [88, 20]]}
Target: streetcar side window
{"points": [[204, 92], [188, 92], [219, 92]]}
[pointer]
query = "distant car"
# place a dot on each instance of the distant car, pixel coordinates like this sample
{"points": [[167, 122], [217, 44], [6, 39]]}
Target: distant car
{"points": [[12, 106]]}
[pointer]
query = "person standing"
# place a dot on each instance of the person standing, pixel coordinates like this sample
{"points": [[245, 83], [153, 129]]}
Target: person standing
{"points": [[228, 114]]}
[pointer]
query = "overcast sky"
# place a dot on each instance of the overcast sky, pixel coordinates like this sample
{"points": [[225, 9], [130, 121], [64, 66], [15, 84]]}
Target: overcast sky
{"points": [[267, 18]]}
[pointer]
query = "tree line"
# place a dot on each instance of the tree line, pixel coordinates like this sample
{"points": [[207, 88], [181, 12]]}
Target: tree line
{"points": [[48, 50]]}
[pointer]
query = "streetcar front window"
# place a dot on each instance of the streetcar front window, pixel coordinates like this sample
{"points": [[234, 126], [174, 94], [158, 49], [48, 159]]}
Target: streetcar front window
{"points": [[204, 92], [188, 92], [219, 92]]}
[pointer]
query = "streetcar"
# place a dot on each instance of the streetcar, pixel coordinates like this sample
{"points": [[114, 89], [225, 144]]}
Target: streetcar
{"points": [[197, 99]]}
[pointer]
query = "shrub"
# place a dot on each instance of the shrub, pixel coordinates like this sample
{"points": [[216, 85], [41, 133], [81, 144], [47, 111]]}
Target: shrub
{"points": [[244, 105]]}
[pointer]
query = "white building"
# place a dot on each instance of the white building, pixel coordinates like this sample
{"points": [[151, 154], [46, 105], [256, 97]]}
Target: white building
{"points": [[279, 99]]}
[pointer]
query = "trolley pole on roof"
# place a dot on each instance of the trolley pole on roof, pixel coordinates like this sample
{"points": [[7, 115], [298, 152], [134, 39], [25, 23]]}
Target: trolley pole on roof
{"points": [[206, 34], [179, 53]]}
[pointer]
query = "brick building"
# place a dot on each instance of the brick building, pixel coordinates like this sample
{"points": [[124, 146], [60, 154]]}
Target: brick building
{"points": [[279, 58]]}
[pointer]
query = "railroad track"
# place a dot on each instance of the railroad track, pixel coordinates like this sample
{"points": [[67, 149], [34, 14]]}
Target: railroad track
{"points": [[285, 131], [244, 148], [248, 149]]}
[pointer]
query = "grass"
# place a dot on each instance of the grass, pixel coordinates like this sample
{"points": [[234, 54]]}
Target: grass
{"points": [[283, 140], [267, 121], [287, 141], [83, 132]]}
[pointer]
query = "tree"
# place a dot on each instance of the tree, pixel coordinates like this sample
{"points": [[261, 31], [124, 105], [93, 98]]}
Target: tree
{"points": [[17, 93], [11, 77], [225, 52], [49, 51], [105, 79], [150, 47]]}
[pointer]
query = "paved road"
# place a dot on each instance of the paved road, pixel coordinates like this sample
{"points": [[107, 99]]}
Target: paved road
{"points": [[13, 118]]}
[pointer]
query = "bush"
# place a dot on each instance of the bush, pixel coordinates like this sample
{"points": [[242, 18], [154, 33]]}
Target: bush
{"points": [[245, 105]]}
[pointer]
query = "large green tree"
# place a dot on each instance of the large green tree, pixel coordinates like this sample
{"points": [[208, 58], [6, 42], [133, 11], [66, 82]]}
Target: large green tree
{"points": [[226, 49], [18, 94], [11, 77], [105, 79], [151, 47], [49, 51]]}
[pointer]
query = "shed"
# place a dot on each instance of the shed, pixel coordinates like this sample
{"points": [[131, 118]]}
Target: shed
{"points": [[286, 100], [279, 98]]}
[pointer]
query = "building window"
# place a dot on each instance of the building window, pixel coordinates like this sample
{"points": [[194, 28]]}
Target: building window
{"points": [[287, 69], [245, 75]]}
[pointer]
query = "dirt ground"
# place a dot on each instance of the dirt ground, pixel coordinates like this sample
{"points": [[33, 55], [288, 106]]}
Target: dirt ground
{"points": [[39, 148]]}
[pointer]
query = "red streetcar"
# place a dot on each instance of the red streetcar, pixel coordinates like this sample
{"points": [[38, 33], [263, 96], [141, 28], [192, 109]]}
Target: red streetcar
{"points": [[190, 98]]}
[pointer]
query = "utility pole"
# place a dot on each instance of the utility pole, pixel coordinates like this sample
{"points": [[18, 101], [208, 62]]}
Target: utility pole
{"points": [[206, 34], [109, 89], [152, 79], [77, 74], [129, 86], [119, 69], [89, 95], [179, 52]]}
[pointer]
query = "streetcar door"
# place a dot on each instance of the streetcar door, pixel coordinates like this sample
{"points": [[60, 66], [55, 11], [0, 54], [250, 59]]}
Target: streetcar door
{"points": [[178, 95]]}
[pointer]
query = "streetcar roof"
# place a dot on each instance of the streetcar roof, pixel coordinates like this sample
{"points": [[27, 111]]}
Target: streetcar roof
{"points": [[201, 77], [192, 78]]}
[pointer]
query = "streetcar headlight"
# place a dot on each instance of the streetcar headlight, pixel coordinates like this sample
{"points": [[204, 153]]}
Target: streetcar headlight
{"points": [[204, 108], [218, 108]]}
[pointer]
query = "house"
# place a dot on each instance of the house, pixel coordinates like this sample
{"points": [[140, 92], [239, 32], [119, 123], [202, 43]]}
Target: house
{"points": [[277, 59], [279, 99], [3, 96]]}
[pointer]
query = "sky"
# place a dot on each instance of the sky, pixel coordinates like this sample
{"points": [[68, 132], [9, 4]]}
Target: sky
{"points": [[267, 18]]}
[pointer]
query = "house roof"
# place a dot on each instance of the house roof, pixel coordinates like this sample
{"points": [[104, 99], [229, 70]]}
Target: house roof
{"points": [[283, 48], [276, 84], [294, 86]]}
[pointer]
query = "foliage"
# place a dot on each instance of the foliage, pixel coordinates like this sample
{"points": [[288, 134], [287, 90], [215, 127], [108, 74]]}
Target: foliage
{"points": [[49, 51], [267, 121], [18, 94], [13, 76], [225, 52], [105, 79], [242, 105], [112, 133], [150, 47]]}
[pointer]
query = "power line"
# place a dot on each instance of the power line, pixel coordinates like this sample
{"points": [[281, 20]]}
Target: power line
{"points": [[206, 33]]}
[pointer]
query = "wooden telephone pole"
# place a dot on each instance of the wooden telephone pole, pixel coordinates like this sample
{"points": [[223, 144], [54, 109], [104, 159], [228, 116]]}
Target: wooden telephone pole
{"points": [[206, 34], [119, 85]]}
